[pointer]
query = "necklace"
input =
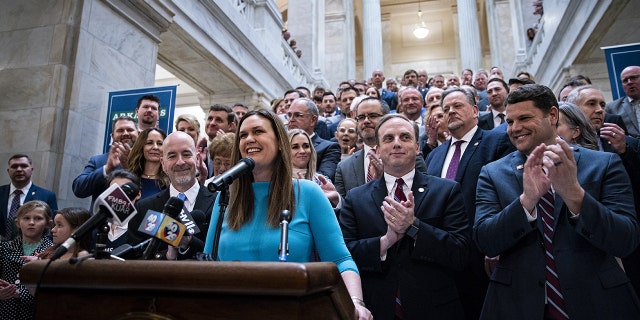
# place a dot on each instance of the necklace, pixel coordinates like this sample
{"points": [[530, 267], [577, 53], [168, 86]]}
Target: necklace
{"points": [[147, 176]]}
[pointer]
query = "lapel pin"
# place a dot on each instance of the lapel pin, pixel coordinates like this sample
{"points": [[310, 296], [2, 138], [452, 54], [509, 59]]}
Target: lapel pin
{"points": [[420, 189], [33, 193], [476, 144], [520, 167]]}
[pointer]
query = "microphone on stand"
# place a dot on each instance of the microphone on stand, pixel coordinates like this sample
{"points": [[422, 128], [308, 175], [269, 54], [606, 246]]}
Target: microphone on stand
{"points": [[115, 202], [162, 228], [283, 248], [223, 180]]}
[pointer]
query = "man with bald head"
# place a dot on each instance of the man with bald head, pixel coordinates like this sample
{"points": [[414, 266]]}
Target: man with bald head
{"points": [[179, 161], [377, 79], [629, 106]]}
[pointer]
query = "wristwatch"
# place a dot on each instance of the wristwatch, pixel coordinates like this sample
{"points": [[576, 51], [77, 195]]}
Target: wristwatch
{"points": [[412, 231]]}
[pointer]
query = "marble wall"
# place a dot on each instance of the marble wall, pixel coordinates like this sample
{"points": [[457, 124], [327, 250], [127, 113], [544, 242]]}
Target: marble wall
{"points": [[59, 61]]}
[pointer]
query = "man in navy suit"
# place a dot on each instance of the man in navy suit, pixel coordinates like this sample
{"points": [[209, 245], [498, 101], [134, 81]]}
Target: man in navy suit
{"points": [[19, 191], [93, 179], [628, 107], [497, 91], [303, 115], [179, 162], [407, 231], [558, 216], [478, 148]]}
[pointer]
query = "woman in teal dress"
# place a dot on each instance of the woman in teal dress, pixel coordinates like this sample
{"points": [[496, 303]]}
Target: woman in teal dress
{"points": [[250, 229]]}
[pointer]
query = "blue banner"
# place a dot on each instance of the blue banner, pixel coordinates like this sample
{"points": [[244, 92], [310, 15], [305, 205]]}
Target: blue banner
{"points": [[618, 58], [124, 103]]}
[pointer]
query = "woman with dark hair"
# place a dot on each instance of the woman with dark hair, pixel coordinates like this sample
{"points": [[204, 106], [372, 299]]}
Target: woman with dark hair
{"points": [[144, 161], [250, 227], [575, 128], [33, 220], [66, 222]]}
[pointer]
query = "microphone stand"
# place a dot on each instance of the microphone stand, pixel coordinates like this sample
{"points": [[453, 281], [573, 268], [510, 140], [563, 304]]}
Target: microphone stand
{"points": [[224, 202], [101, 242]]}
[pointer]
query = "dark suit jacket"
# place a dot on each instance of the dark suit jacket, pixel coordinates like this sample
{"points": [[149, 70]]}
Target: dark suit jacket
{"points": [[593, 284], [328, 156], [485, 146], [623, 108], [485, 121], [91, 182], [422, 270], [614, 118], [35, 193], [350, 172], [391, 98], [204, 202]]}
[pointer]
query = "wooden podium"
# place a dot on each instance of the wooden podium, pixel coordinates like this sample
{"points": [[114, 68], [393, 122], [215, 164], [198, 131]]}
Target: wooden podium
{"points": [[110, 289]]}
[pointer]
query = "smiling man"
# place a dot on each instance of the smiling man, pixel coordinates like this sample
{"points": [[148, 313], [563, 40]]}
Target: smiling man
{"points": [[556, 228], [407, 231], [179, 161]]}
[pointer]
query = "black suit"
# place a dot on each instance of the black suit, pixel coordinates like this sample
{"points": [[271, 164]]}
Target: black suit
{"points": [[485, 146], [156, 202], [421, 269], [328, 155], [485, 121]]}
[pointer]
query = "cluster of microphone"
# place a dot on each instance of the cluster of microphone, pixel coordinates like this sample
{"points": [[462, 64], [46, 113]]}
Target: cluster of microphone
{"points": [[168, 226]]}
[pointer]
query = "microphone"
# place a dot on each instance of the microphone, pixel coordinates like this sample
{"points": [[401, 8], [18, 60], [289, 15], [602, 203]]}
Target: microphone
{"points": [[127, 250], [163, 227], [189, 220], [115, 203], [283, 248], [225, 179]]}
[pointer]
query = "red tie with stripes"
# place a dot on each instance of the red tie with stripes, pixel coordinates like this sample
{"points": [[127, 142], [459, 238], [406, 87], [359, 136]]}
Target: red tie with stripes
{"points": [[556, 307]]}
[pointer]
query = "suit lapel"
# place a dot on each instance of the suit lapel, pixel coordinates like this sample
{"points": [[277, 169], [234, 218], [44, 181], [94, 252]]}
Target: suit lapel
{"points": [[468, 153], [358, 166], [629, 112], [203, 200], [420, 190], [32, 193], [378, 195], [437, 163]]}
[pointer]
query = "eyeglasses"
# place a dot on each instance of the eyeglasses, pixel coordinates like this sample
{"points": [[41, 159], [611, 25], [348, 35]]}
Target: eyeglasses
{"points": [[371, 116], [296, 115], [632, 78]]}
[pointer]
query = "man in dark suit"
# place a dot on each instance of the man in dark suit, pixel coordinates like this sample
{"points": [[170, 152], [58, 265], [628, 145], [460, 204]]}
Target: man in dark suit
{"points": [[303, 115], [407, 232], [557, 216], [19, 191], [353, 171], [628, 107], [478, 147], [497, 91], [179, 162], [93, 179]]}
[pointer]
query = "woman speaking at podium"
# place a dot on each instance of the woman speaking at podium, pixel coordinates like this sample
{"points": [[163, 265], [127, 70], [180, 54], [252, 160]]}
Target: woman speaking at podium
{"points": [[250, 229]]}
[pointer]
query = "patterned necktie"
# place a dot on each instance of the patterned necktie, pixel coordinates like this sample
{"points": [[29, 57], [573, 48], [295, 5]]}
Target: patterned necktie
{"points": [[555, 301], [501, 116], [455, 161], [15, 204], [370, 168]]}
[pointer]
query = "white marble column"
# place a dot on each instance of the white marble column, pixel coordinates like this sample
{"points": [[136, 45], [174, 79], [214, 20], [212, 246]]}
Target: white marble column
{"points": [[372, 36], [471, 51]]}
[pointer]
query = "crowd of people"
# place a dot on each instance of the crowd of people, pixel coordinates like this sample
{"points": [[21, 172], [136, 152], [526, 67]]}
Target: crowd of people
{"points": [[458, 197]]}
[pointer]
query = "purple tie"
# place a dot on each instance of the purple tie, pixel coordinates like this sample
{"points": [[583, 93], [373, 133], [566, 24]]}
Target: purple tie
{"points": [[555, 301], [455, 161]]}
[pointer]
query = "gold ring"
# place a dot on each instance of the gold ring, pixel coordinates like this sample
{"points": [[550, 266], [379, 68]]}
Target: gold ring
{"points": [[393, 219]]}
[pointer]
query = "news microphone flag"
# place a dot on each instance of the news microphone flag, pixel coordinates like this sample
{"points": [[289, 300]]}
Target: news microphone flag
{"points": [[117, 202], [162, 227]]}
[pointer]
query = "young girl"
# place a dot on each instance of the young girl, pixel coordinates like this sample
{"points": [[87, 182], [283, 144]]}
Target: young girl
{"points": [[33, 220], [66, 222]]}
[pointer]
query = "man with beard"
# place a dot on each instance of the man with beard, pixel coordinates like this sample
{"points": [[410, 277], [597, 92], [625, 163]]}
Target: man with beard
{"points": [[460, 159], [148, 112], [497, 91], [93, 179], [179, 162]]}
